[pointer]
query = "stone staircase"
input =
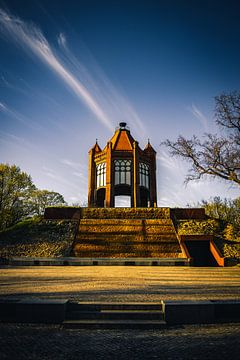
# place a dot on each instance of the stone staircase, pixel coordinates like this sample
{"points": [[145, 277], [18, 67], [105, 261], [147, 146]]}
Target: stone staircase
{"points": [[114, 315], [114, 234]]}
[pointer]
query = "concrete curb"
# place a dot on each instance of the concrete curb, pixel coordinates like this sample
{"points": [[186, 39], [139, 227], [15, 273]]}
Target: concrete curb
{"points": [[188, 312], [33, 311], [175, 312], [73, 261], [201, 312]]}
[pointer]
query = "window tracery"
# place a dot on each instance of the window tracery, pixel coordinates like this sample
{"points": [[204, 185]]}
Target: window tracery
{"points": [[144, 175], [101, 175], [122, 170]]}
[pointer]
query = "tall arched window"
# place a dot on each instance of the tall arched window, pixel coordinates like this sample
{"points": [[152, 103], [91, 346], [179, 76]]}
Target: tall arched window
{"points": [[101, 175], [122, 172], [144, 175]]}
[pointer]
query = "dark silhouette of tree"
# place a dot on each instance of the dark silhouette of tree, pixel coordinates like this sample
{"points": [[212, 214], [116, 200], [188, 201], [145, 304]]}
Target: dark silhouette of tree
{"points": [[217, 155]]}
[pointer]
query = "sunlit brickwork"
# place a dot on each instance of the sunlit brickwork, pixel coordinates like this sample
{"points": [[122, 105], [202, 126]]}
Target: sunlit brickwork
{"points": [[122, 168]]}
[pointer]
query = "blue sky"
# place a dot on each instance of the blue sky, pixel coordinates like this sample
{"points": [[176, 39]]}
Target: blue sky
{"points": [[70, 71]]}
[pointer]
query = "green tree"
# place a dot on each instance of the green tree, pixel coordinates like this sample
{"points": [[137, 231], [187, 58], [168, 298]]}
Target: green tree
{"points": [[40, 199], [20, 198], [216, 155], [15, 187]]}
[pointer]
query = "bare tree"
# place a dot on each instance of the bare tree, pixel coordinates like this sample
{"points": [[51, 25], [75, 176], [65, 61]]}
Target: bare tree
{"points": [[217, 155]]}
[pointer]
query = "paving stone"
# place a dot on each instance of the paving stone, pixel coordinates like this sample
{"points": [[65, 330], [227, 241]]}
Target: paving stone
{"points": [[35, 342], [131, 284]]}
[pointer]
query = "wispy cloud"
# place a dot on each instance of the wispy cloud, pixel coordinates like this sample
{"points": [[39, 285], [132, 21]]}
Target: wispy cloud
{"points": [[4, 81], [11, 146], [72, 164], [80, 175], [9, 138], [32, 40], [20, 85], [12, 136], [3, 107], [91, 86], [18, 116], [115, 104], [169, 162], [171, 174], [62, 40], [199, 115], [51, 173], [78, 169]]}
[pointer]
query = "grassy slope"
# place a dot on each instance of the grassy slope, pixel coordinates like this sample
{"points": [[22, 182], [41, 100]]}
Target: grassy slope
{"points": [[53, 238], [229, 248], [38, 238]]}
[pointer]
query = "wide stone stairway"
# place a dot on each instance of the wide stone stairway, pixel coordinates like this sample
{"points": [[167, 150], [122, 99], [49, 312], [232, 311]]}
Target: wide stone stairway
{"points": [[126, 232]]}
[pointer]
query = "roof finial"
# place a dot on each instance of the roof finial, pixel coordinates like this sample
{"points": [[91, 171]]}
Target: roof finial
{"points": [[122, 125], [96, 140]]}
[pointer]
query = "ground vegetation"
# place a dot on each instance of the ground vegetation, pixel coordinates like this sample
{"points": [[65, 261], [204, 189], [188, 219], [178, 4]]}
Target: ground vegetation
{"points": [[36, 237]]}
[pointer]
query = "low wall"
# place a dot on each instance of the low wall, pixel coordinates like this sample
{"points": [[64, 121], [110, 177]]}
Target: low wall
{"points": [[123, 213], [175, 312], [60, 213], [216, 254], [91, 261], [33, 311], [189, 213], [212, 246], [201, 312]]}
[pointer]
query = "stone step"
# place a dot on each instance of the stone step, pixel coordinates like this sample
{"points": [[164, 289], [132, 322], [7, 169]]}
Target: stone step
{"points": [[126, 237], [96, 306], [114, 324], [125, 213], [126, 232], [171, 258], [133, 222], [164, 246], [120, 239], [115, 315], [138, 224], [109, 248]]}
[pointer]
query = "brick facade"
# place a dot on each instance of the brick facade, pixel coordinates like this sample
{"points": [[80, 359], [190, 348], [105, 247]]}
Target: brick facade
{"points": [[107, 179]]}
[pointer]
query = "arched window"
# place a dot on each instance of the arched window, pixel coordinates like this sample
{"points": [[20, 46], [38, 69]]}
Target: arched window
{"points": [[144, 175], [122, 172], [101, 175]]}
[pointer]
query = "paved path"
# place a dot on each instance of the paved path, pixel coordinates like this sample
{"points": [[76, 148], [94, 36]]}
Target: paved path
{"points": [[120, 283], [198, 342], [38, 342]]}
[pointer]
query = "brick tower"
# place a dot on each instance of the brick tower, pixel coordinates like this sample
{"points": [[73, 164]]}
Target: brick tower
{"points": [[122, 168]]}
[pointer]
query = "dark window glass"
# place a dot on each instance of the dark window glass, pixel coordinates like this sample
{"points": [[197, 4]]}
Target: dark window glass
{"points": [[144, 175], [101, 175], [122, 172]]}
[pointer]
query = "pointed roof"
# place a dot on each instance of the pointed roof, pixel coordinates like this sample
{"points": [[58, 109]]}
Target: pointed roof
{"points": [[149, 148], [96, 148], [122, 139]]}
